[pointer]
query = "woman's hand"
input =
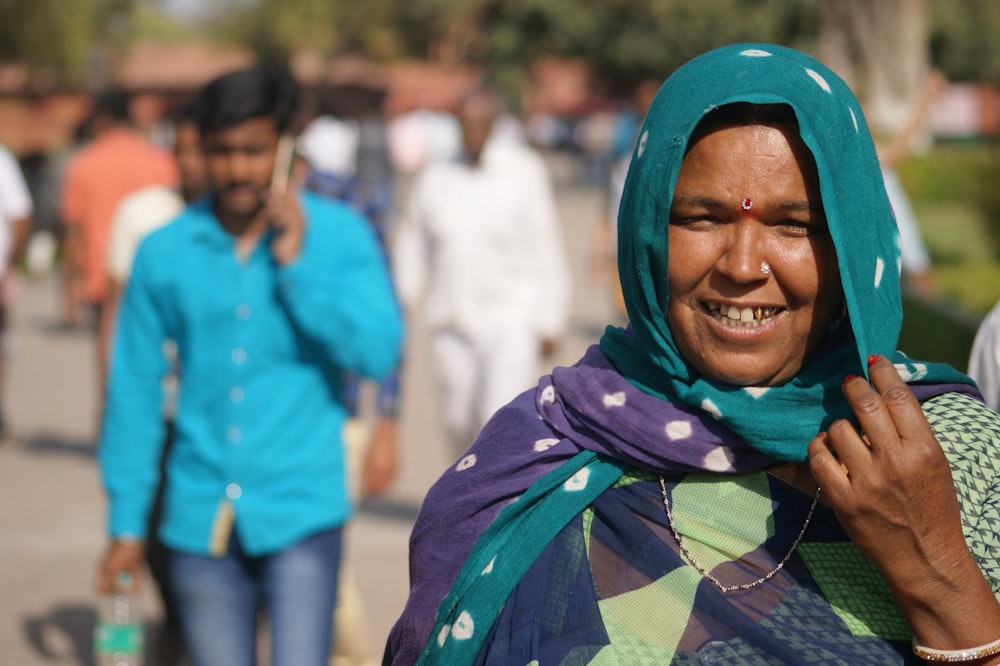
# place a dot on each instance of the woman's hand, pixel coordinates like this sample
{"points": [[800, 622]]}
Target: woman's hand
{"points": [[892, 490]]}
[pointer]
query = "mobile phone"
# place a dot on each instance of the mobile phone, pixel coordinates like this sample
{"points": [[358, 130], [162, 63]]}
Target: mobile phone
{"points": [[283, 163]]}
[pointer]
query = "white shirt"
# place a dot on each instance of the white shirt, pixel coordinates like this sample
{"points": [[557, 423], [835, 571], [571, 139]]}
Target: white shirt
{"points": [[484, 243], [15, 202], [136, 216], [984, 361]]}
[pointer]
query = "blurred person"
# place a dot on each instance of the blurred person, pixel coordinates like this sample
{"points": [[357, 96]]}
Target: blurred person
{"points": [[139, 214], [984, 358], [333, 147], [420, 136], [604, 246], [480, 235], [146, 210], [269, 295], [116, 162], [16, 215]]}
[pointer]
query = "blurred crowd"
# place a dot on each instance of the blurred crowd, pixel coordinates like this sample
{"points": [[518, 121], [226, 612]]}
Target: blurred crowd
{"points": [[320, 228]]}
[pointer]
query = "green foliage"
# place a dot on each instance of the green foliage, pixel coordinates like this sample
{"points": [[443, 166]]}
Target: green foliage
{"points": [[987, 196], [629, 40], [957, 186], [940, 330], [963, 39], [953, 189], [60, 36]]}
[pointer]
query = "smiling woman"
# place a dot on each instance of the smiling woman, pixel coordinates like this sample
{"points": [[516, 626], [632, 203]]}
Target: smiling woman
{"points": [[732, 321], [697, 489]]}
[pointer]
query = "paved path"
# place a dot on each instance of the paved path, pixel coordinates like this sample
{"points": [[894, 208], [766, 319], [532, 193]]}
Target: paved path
{"points": [[52, 505]]}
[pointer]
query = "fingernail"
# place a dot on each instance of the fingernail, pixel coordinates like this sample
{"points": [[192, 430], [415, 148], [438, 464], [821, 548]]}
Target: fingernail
{"points": [[872, 358], [822, 435], [849, 378]]}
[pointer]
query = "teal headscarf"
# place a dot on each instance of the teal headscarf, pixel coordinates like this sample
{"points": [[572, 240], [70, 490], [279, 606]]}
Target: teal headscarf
{"points": [[779, 421]]}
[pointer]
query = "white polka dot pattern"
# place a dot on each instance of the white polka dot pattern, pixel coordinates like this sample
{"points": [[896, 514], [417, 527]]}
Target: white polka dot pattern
{"points": [[755, 53], [545, 444], [911, 372], [578, 481], [820, 81], [718, 460], [465, 463], [879, 269], [463, 627], [615, 399], [642, 144], [678, 430], [756, 391], [710, 407]]}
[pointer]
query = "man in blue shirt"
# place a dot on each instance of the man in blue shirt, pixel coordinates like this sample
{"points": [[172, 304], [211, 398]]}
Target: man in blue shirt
{"points": [[269, 296]]}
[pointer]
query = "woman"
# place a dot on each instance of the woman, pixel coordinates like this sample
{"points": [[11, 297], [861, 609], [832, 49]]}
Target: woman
{"points": [[660, 501]]}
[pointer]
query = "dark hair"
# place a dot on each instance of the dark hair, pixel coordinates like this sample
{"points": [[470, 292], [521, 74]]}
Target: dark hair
{"points": [[246, 94], [740, 114], [113, 103]]}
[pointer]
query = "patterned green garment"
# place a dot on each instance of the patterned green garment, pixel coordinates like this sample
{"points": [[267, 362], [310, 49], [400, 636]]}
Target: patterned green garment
{"points": [[612, 588]]}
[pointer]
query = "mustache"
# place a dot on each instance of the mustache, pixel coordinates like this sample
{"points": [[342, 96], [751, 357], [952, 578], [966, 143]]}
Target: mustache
{"points": [[231, 186]]}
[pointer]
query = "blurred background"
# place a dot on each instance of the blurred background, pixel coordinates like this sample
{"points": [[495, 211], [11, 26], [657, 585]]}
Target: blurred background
{"points": [[568, 68], [573, 71]]}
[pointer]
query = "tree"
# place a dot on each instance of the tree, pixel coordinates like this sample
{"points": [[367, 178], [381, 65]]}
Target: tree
{"points": [[69, 40], [881, 50], [963, 39]]}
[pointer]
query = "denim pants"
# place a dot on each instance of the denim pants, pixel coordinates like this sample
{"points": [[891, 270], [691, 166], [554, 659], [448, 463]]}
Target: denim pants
{"points": [[218, 599]]}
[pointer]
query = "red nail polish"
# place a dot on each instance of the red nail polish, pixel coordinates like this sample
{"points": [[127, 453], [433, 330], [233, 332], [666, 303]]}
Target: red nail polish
{"points": [[822, 435], [849, 378], [872, 358]]}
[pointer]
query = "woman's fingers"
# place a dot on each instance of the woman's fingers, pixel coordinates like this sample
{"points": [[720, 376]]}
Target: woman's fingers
{"points": [[900, 404], [830, 473]]}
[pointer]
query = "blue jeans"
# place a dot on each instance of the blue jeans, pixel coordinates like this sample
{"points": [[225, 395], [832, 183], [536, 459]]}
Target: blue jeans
{"points": [[218, 599]]}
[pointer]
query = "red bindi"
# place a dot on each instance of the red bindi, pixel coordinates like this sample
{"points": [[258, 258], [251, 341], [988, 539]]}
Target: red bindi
{"points": [[746, 205]]}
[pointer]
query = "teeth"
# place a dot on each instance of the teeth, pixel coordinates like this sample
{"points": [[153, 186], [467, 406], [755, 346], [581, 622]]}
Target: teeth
{"points": [[731, 315]]}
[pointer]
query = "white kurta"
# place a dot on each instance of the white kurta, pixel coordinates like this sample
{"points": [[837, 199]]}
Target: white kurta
{"points": [[984, 361], [482, 246], [15, 202]]}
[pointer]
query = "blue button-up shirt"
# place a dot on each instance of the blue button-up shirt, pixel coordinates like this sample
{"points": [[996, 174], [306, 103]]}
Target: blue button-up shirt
{"points": [[261, 350]]}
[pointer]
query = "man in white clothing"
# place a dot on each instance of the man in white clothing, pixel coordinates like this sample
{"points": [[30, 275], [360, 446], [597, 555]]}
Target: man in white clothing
{"points": [[480, 236], [984, 360], [16, 216]]}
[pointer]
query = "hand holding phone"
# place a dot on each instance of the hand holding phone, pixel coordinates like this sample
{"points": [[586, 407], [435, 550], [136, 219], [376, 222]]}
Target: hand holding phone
{"points": [[284, 214]]}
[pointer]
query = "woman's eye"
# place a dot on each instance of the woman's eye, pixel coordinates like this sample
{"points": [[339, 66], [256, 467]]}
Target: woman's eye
{"points": [[694, 222], [799, 227]]}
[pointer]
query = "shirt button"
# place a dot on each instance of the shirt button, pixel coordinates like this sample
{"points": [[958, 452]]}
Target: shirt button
{"points": [[234, 434], [243, 311], [239, 355], [233, 491], [236, 394]]}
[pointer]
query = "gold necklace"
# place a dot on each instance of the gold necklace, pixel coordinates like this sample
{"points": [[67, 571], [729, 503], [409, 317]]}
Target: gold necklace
{"points": [[712, 579]]}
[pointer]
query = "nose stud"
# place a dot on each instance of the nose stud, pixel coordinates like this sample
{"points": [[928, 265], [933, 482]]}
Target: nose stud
{"points": [[765, 268]]}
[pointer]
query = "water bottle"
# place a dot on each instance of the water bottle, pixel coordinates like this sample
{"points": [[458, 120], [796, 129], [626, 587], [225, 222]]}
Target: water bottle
{"points": [[118, 634]]}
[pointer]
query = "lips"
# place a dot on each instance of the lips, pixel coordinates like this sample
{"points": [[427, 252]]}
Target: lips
{"points": [[731, 315]]}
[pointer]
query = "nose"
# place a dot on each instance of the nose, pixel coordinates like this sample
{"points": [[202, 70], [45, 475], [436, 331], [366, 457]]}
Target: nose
{"points": [[745, 253], [238, 165]]}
